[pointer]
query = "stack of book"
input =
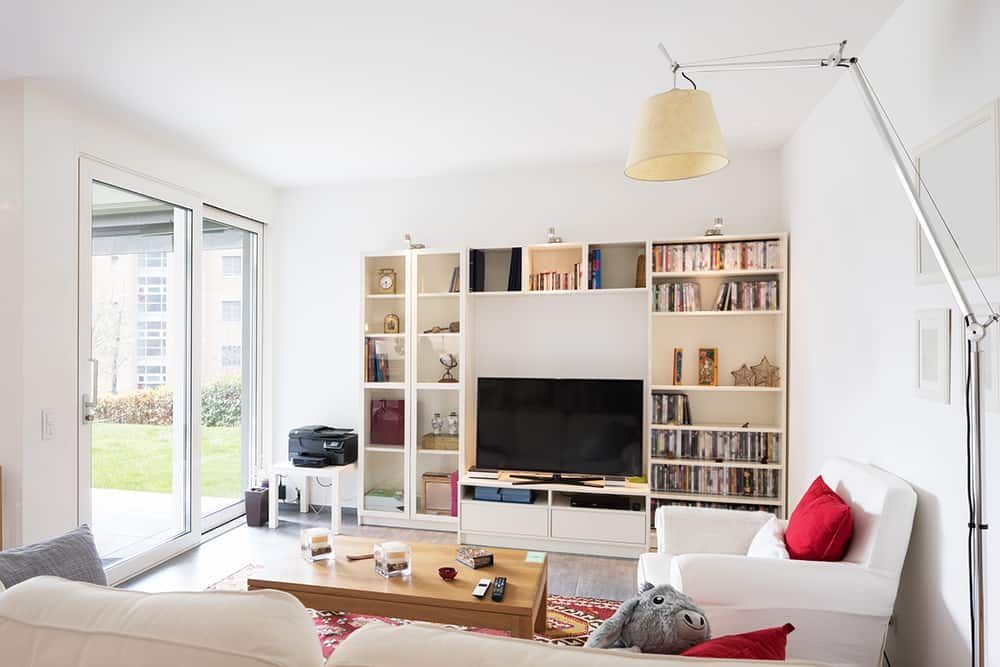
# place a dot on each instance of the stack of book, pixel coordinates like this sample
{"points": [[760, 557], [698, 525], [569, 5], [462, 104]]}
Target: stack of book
{"points": [[676, 297], [554, 280], [742, 445], [671, 408], [753, 482], [719, 256], [384, 500], [748, 295], [453, 284], [376, 363], [746, 507], [595, 268]]}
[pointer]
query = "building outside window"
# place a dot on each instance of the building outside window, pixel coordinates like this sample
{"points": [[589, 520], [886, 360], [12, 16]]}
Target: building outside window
{"points": [[232, 266], [232, 356], [150, 377], [232, 311]]}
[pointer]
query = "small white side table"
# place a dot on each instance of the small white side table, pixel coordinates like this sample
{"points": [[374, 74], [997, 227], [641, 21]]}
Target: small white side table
{"points": [[331, 473]]}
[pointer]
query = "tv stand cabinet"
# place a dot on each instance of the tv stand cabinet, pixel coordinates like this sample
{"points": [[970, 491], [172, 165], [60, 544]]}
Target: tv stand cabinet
{"points": [[551, 523]]}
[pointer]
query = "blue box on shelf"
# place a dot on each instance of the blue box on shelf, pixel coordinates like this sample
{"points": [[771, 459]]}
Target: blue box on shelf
{"points": [[504, 495]]}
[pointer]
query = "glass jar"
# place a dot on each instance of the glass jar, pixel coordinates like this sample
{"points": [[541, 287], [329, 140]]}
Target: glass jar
{"points": [[453, 423], [436, 423], [393, 559], [316, 544]]}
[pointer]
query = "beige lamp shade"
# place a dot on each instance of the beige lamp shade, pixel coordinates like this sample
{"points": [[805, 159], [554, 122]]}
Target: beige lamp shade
{"points": [[677, 137]]}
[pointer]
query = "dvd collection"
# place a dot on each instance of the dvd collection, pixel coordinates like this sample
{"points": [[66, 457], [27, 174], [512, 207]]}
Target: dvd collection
{"points": [[554, 280], [676, 297], [753, 482], [748, 446], [748, 295], [671, 408], [719, 256], [749, 506]]}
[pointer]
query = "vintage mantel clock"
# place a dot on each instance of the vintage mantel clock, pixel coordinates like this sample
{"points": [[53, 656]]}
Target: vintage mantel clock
{"points": [[390, 324], [387, 281]]}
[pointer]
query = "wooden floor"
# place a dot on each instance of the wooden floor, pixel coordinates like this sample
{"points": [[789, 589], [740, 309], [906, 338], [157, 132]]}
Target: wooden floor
{"points": [[584, 576]]}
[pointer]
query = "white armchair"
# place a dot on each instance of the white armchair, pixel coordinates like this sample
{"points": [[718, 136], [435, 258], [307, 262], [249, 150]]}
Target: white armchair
{"points": [[840, 610]]}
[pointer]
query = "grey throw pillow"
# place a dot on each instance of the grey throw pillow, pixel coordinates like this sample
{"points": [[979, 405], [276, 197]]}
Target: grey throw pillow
{"points": [[71, 556]]}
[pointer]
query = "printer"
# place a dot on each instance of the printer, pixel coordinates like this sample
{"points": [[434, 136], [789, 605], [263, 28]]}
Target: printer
{"points": [[318, 446]]}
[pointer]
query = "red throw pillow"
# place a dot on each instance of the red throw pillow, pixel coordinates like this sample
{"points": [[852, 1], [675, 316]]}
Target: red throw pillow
{"points": [[766, 644], [821, 525]]}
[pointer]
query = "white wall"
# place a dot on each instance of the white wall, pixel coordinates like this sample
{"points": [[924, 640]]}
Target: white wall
{"points": [[56, 132], [323, 230], [853, 300], [11, 299]]}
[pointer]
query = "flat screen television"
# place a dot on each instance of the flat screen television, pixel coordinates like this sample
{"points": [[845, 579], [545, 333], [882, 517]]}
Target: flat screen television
{"points": [[560, 426]]}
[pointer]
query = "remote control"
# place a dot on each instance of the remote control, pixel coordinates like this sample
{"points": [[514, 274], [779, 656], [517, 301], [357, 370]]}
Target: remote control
{"points": [[499, 586], [480, 590]]}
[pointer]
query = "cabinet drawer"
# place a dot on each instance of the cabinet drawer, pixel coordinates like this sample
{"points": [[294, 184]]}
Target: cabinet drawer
{"points": [[598, 526], [505, 518]]}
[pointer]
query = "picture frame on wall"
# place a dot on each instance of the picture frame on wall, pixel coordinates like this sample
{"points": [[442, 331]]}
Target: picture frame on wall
{"points": [[961, 166], [933, 345]]}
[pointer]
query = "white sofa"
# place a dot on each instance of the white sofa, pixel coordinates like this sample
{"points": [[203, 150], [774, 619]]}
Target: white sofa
{"points": [[840, 610], [50, 622]]}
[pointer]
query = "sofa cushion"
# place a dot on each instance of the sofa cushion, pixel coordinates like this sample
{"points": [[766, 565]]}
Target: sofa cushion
{"points": [[421, 645], [821, 525], [71, 556], [769, 542], [768, 644], [49, 622]]}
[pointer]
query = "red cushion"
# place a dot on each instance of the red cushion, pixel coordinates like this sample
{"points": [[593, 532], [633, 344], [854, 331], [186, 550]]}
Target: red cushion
{"points": [[821, 525], [766, 644]]}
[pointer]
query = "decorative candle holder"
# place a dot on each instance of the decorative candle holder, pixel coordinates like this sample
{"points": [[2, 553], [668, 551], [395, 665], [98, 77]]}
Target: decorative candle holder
{"points": [[316, 544], [393, 559]]}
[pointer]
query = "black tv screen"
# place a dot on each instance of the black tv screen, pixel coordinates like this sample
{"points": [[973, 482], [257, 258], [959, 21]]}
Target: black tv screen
{"points": [[587, 427]]}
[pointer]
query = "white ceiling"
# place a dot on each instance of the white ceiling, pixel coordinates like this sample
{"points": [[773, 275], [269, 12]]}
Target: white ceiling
{"points": [[308, 91]]}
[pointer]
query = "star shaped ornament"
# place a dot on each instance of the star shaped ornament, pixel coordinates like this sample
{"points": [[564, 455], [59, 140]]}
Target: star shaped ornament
{"points": [[743, 376], [766, 374]]}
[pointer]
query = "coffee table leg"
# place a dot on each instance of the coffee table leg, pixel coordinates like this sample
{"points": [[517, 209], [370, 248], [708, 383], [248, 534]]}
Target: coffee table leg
{"points": [[541, 616]]}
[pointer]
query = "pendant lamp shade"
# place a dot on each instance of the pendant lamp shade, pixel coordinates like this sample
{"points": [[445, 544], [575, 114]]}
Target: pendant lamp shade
{"points": [[677, 137]]}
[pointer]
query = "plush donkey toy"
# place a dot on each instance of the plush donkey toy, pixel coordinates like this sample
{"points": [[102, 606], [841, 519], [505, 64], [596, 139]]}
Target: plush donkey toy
{"points": [[658, 620]]}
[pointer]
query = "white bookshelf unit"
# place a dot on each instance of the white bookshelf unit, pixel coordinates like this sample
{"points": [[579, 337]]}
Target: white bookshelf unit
{"points": [[425, 300], [740, 431]]}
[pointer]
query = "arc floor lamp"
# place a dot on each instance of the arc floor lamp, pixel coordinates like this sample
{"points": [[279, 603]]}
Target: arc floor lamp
{"points": [[678, 137]]}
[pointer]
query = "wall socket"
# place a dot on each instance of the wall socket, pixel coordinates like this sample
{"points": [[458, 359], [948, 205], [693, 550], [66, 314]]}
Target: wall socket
{"points": [[48, 425]]}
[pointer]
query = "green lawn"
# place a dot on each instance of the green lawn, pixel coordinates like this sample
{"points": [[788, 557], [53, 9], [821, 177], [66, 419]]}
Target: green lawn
{"points": [[135, 457]]}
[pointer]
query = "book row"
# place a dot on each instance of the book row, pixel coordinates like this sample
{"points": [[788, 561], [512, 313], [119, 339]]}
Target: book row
{"points": [[554, 280], [754, 446], [746, 507], [720, 256], [671, 408], [752, 482], [376, 362], [676, 297], [747, 295]]}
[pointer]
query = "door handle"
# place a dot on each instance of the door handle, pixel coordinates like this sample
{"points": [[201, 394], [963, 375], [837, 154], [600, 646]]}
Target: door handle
{"points": [[90, 399]]}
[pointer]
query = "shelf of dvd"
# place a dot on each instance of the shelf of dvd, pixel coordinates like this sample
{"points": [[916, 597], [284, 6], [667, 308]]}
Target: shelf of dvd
{"points": [[713, 443]]}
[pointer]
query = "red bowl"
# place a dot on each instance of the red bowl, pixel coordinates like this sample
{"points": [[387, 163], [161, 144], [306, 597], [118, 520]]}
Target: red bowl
{"points": [[447, 573]]}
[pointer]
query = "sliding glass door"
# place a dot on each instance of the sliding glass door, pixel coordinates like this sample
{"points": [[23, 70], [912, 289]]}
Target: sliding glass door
{"points": [[169, 359], [229, 362]]}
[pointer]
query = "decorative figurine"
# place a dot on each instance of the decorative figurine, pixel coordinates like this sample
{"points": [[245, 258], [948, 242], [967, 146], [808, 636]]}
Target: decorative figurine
{"points": [[453, 423], [743, 376], [450, 363], [766, 374], [715, 229], [436, 423]]}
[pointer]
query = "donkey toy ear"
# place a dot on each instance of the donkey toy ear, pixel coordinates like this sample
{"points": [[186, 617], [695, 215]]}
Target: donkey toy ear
{"points": [[609, 634], [646, 586]]}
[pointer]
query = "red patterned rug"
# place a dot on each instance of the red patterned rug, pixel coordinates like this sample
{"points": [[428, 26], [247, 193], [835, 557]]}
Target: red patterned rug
{"points": [[570, 619]]}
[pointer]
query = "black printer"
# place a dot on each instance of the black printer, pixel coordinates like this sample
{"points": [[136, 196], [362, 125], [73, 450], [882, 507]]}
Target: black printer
{"points": [[318, 446]]}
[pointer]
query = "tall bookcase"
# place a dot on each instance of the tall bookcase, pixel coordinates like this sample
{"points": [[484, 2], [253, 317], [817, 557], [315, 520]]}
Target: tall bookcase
{"points": [[429, 301], [731, 453], [731, 449]]}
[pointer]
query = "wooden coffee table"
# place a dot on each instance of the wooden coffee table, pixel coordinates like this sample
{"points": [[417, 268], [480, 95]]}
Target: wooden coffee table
{"points": [[342, 585]]}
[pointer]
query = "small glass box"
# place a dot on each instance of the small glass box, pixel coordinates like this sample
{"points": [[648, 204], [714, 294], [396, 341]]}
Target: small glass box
{"points": [[316, 543], [393, 559]]}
